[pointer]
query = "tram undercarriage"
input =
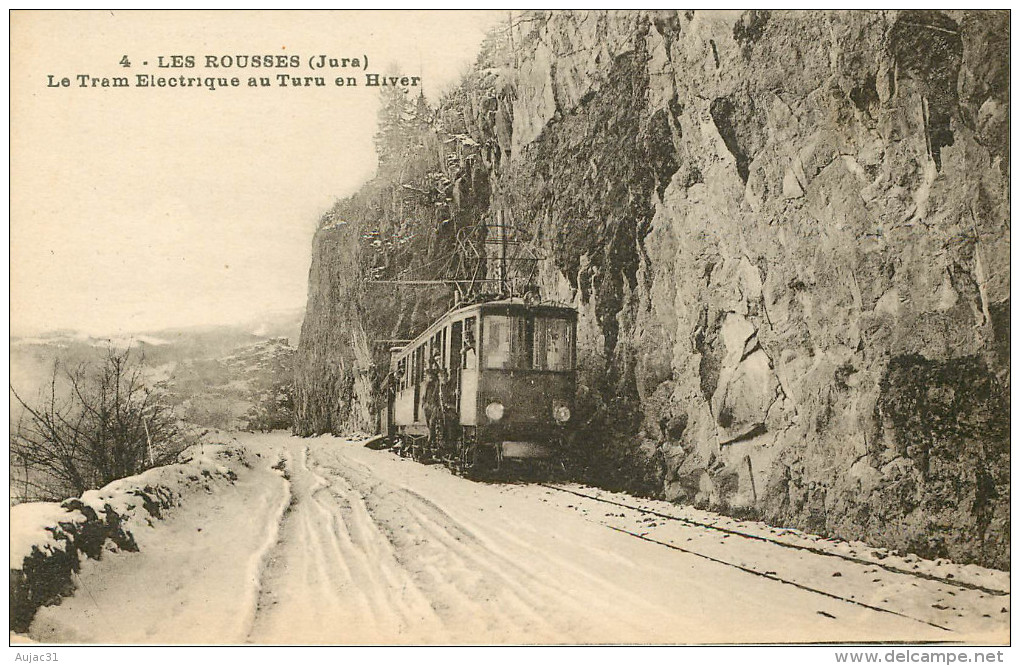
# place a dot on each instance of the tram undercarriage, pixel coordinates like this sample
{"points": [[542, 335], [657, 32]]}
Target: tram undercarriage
{"points": [[458, 448]]}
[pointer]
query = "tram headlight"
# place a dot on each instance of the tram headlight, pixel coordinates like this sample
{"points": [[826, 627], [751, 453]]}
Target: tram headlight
{"points": [[494, 410], [561, 413]]}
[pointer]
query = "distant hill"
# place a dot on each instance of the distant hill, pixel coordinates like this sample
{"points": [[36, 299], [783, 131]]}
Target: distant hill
{"points": [[222, 379], [216, 366], [249, 388]]}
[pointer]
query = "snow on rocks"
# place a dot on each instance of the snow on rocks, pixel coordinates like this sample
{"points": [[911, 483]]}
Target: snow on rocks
{"points": [[47, 538], [42, 527]]}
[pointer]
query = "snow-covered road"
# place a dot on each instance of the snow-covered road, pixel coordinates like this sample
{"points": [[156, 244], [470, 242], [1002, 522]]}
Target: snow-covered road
{"points": [[324, 541]]}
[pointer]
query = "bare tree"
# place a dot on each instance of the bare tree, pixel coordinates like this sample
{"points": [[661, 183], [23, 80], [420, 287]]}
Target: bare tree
{"points": [[92, 425]]}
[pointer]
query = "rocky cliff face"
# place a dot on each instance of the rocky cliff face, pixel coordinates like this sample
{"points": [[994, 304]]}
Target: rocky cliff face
{"points": [[787, 234]]}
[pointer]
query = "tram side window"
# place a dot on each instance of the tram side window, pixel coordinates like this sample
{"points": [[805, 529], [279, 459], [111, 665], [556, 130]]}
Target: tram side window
{"points": [[437, 348]]}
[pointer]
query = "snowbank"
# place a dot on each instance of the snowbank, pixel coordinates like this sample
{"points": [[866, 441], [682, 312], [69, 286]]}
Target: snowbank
{"points": [[48, 538]]}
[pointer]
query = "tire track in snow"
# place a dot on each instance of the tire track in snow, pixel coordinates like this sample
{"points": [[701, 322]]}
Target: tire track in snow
{"points": [[584, 594], [257, 562], [535, 590], [328, 551], [314, 593], [442, 572], [547, 591], [476, 581], [533, 594], [367, 548], [518, 604], [349, 547], [331, 579]]}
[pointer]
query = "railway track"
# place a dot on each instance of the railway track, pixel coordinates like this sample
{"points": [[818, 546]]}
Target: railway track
{"points": [[793, 580], [782, 544], [771, 576]]}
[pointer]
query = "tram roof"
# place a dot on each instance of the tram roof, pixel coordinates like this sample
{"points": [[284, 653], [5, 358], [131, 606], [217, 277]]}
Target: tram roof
{"points": [[512, 304], [507, 305]]}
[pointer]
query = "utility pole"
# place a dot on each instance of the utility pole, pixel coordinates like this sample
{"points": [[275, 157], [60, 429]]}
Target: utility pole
{"points": [[504, 284], [510, 25], [148, 441]]}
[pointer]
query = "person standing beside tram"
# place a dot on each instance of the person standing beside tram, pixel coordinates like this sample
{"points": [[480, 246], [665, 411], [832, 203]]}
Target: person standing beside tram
{"points": [[434, 402]]}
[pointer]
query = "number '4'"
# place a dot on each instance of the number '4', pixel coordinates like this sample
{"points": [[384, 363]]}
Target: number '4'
{"points": [[124, 62]]}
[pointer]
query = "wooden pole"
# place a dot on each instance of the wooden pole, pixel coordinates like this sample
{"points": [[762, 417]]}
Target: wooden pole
{"points": [[148, 441]]}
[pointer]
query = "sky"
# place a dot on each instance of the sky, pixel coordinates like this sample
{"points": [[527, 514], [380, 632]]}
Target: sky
{"points": [[135, 209]]}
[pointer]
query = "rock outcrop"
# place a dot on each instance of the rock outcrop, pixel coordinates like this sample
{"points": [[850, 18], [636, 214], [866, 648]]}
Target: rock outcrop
{"points": [[787, 235]]}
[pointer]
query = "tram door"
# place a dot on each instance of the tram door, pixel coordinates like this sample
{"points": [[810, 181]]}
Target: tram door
{"points": [[467, 380], [456, 336], [416, 377]]}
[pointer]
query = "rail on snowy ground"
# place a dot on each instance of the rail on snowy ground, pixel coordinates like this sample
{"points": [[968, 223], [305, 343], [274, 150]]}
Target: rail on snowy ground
{"points": [[48, 539]]}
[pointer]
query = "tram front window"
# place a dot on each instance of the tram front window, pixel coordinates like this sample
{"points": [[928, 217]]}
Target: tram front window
{"points": [[552, 344], [539, 343], [497, 342]]}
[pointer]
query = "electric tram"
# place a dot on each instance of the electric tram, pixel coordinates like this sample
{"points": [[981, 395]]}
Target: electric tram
{"points": [[485, 385]]}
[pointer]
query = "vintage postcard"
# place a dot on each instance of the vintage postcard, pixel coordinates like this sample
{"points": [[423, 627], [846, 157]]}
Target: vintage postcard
{"points": [[535, 327]]}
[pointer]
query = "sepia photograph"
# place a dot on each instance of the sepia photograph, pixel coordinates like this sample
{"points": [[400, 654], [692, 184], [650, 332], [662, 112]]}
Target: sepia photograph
{"points": [[511, 328]]}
